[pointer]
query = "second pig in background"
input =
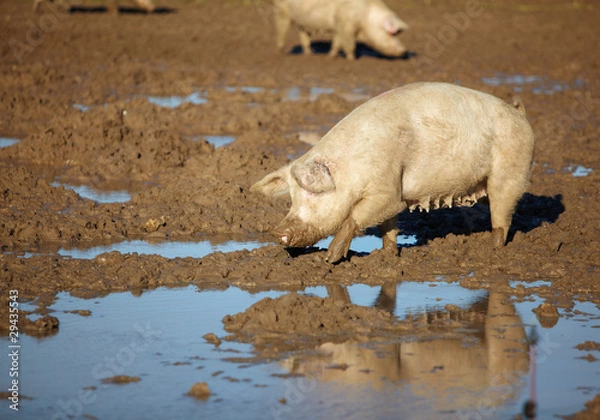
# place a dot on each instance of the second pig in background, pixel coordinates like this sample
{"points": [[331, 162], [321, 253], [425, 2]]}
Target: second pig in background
{"points": [[368, 21]]}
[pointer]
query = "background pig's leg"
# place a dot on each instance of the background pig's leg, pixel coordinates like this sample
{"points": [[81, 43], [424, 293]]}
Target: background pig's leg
{"points": [[349, 46], [503, 197], [335, 46], [389, 234], [346, 28], [282, 25], [341, 241], [305, 41]]}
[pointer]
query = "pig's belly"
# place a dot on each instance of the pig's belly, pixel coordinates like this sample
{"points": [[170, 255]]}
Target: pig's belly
{"points": [[437, 190]]}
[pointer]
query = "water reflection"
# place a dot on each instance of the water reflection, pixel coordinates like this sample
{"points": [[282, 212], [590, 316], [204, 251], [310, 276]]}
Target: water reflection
{"points": [[481, 369]]}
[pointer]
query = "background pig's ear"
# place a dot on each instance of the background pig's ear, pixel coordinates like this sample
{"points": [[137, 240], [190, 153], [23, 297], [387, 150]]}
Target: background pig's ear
{"points": [[313, 176], [273, 184]]}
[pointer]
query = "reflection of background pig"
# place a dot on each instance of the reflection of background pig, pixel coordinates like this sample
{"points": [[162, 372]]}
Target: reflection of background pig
{"points": [[367, 21], [146, 5], [446, 372], [424, 145]]}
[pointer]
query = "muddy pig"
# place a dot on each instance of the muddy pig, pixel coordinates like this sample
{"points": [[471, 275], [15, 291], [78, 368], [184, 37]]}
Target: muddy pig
{"points": [[367, 21], [145, 5], [424, 145]]}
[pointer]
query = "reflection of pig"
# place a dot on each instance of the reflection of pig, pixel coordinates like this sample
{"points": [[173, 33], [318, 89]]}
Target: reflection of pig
{"points": [[145, 5], [424, 145], [451, 375], [368, 21]]}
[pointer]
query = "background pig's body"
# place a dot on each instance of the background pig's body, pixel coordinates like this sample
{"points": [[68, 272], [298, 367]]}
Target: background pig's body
{"points": [[423, 145], [368, 21]]}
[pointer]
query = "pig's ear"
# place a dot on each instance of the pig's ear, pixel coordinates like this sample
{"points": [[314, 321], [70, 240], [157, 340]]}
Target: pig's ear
{"points": [[273, 184], [313, 176]]}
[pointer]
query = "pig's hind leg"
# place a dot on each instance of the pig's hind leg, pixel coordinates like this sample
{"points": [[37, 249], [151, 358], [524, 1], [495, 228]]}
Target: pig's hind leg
{"points": [[503, 196]]}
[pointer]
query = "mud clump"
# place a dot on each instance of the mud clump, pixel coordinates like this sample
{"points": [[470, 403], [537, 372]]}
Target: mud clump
{"points": [[301, 315], [41, 327], [200, 391], [120, 379]]}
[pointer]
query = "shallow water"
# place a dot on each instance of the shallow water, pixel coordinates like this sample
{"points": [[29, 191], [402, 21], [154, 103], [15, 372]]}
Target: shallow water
{"points": [[578, 171], [157, 337], [7, 142], [164, 249], [172, 249], [196, 98], [218, 141], [537, 84], [99, 196]]}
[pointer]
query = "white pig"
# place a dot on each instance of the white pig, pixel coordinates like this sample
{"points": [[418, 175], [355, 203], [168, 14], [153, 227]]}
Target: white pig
{"points": [[426, 145], [367, 21]]}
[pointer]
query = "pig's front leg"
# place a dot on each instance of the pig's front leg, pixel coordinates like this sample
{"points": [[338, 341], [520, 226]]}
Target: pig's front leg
{"points": [[340, 244], [384, 206], [389, 234]]}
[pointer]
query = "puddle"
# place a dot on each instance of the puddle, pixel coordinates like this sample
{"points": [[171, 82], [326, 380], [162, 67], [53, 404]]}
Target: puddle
{"points": [[196, 98], [368, 243], [81, 107], [98, 196], [578, 171], [158, 338], [172, 249], [527, 285], [164, 249], [218, 141], [7, 141], [540, 85], [311, 94]]}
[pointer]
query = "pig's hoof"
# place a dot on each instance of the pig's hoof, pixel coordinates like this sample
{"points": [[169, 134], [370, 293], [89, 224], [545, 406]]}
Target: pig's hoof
{"points": [[335, 254], [498, 237]]}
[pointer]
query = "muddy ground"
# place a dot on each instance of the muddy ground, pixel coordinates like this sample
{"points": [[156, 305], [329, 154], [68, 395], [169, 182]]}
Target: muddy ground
{"points": [[188, 190]]}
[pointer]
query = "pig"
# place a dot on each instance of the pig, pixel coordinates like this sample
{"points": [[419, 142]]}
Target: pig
{"points": [[145, 5], [423, 145], [367, 21]]}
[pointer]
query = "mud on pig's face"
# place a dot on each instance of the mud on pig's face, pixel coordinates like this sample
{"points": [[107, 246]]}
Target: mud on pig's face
{"points": [[317, 208]]}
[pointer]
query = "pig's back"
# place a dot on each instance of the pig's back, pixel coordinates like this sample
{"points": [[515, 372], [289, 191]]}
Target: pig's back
{"points": [[313, 14], [437, 137]]}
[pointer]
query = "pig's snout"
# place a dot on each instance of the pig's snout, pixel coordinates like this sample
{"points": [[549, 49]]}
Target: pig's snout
{"points": [[296, 234]]}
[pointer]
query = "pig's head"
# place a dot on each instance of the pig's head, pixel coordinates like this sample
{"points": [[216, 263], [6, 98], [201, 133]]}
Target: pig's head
{"points": [[316, 211], [382, 31]]}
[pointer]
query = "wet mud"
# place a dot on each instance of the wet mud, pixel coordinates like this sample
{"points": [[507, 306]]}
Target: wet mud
{"points": [[129, 102]]}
